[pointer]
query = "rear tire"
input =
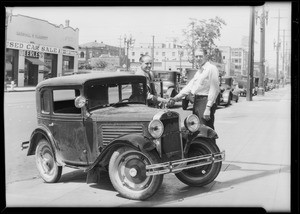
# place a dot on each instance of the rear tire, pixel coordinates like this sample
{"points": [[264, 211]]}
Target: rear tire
{"points": [[45, 162], [202, 175]]}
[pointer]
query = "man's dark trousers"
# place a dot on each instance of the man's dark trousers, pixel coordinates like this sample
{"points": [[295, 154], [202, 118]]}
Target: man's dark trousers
{"points": [[200, 102]]}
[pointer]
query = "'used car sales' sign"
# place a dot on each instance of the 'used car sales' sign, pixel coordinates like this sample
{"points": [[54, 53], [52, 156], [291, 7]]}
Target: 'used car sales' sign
{"points": [[40, 48]]}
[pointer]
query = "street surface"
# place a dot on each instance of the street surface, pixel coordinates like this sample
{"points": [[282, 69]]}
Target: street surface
{"points": [[256, 136]]}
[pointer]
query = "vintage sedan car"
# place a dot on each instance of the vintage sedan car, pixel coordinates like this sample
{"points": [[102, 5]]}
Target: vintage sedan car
{"points": [[169, 81], [228, 92], [99, 122]]}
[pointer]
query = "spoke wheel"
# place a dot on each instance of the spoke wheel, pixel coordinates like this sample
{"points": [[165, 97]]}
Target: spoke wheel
{"points": [[127, 172], [202, 175], [45, 162]]}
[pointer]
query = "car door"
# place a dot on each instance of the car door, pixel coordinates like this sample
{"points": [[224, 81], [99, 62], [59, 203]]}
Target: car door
{"points": [[68, 128]]}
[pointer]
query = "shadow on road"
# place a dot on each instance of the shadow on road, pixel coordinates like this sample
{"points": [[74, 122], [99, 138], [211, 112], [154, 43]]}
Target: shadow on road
{"points": [[165, 195]]}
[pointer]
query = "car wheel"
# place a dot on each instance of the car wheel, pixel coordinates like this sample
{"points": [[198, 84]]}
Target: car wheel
{"points": [[185, 104], [229, 100], [45, 162], [202, 175], [127, 172]]}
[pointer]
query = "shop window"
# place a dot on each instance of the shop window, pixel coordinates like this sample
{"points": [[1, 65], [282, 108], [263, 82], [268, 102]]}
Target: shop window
{"points": [[68, 65], [11, 65]]}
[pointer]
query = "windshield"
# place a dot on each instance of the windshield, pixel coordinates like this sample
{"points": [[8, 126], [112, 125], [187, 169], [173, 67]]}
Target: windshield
{"points": [[103, 95], [164, 76]]}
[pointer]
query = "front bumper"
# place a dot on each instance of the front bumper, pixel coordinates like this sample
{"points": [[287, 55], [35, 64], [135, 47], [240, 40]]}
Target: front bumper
{"points": [[187, 163]]}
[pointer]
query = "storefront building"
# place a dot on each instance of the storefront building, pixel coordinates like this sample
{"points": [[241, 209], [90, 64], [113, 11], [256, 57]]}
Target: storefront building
{"points": [[37, 50]]}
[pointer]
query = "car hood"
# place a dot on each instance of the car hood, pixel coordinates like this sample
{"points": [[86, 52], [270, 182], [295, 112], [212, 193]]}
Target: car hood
{"points": [[130, 112]]}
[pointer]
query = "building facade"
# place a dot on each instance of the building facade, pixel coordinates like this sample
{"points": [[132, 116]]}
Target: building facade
{"points": [[110, 54], [167, 56], [37, 50], [239, 57], [226, 56]]}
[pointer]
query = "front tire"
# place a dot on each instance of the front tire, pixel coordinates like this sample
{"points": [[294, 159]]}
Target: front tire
{"points": [[202, 175], [127, 172], [45, 162]]}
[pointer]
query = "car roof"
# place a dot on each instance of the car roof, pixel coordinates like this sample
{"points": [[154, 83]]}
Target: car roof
{"points": [[80, 79]]}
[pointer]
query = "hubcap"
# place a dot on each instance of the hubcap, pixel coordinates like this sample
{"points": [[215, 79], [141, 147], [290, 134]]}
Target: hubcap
{"points": [[132, 172]]}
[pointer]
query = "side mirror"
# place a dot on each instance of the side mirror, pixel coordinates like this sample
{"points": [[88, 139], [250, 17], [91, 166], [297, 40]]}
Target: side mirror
{"points": [[80, 101]]}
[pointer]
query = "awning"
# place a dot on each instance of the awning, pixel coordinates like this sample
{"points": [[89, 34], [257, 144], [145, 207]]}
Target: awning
{"points": [[36, 61]]}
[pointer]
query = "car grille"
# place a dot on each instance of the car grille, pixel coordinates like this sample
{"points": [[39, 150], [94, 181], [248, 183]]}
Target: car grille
{"points": [[171, 139], [112, 131]]}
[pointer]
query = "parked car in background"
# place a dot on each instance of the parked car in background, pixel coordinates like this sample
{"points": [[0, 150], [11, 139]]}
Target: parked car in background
{"points": [[242, 85], [102, 121], [228, 92], [170, 82]]}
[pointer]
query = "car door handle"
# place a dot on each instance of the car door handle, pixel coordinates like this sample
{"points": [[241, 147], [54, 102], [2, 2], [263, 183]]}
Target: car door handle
{"points": [[51, 124]]}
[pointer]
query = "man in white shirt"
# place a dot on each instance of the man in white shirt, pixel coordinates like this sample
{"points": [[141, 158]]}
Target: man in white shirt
{"points": [[145, 70], [205, 88]]}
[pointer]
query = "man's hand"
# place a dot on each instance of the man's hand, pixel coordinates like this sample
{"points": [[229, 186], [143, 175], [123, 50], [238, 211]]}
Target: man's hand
{"points": [[206, 114], [171, 102]]}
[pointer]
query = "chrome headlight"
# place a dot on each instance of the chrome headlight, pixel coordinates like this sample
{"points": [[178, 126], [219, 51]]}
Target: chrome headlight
{"points": [[156, 128], [192, 123]]}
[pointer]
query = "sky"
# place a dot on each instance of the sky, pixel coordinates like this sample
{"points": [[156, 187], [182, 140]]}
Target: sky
{"points": [[109, 24]]}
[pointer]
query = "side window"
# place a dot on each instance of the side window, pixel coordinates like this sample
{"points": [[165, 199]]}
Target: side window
{"points": [[63, 101], [45, 102]]}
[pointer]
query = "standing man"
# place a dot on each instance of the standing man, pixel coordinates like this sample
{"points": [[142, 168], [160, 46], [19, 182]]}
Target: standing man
{"points": [[205, 88], [145, 70]]}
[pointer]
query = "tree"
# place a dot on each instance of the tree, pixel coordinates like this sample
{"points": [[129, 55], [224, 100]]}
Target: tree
{"points": [[98, 63], [201, 34]]}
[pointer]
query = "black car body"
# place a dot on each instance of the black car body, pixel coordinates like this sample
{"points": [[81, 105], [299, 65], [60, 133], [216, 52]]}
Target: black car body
{"points": [[102, 122], [228, 92], [169, 81]]}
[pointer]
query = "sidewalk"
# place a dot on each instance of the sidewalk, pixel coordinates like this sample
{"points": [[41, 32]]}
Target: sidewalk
{"points": [[20, 89]]}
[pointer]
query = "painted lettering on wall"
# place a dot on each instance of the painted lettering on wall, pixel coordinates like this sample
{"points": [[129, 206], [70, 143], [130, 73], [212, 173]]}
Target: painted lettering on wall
{"points": [[39, 48], [31, 35], [34, 54]]}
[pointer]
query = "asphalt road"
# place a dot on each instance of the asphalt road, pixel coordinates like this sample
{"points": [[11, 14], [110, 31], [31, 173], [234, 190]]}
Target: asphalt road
{"points": [[256, 171]]}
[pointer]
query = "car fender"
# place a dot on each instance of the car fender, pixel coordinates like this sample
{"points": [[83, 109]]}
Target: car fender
{"points": [[136, 141], [42, 131], [203, 131], [171, 92], [226, 95]]}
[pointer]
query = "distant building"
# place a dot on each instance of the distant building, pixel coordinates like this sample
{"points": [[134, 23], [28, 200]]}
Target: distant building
{"points": [[167, 56], [111, 54], [226, 56], [239, 57], [37, 49]]}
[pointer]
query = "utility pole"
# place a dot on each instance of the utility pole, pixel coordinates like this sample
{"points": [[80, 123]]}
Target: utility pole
{"points": [[128, 43], [262, 17], [250, 56], [152, 52], [193, 42], [283, 58], [277, 45]]}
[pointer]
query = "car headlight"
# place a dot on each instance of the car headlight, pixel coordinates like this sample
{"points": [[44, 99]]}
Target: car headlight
{"points": [[192, 123], [156, 128]]}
